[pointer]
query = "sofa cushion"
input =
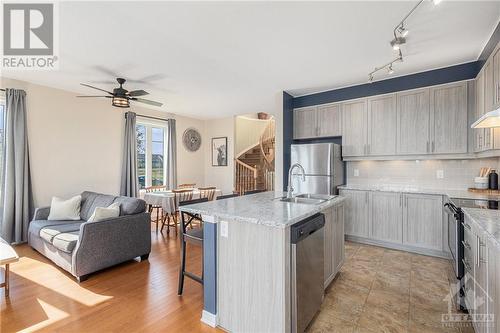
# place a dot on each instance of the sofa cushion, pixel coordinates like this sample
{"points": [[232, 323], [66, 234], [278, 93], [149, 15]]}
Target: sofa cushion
{"points": [[130, 206], [37, 225], [48, 233], [66, 241], [91, 200]]}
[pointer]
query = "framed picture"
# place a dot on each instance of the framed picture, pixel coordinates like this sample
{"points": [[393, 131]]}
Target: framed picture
{"points": [[219, 151]]}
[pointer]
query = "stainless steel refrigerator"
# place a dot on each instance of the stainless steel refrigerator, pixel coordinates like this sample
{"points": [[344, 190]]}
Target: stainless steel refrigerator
{"points": [[323, 166]]}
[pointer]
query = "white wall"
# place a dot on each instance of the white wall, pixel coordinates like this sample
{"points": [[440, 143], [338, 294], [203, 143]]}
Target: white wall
{"points": [[76, 144], [222, 177], [458, 174], [248, 131]]}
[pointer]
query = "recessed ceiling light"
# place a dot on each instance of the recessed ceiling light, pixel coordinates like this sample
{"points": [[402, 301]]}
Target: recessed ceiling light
{"points": [[390, 70]]}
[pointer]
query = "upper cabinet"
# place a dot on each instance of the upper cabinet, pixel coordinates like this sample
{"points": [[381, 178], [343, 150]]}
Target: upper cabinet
{"points": [[330, 120], [382, 123], [354, 128], [413, 122], [304, 123], [314, 121], [449, 119], [496, 78]]}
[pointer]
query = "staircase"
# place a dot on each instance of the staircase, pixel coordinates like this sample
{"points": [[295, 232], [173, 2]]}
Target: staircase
{"points": [[255, 167]]}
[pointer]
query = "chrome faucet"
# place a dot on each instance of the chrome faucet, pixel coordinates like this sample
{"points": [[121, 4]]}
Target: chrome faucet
{"points": [[289, 190]]}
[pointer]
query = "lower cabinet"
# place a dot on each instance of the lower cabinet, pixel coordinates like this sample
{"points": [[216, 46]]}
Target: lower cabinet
{"points": [[408, 221], [423, 221], [482, 271], [386, 214], [334, 251], [356, 212]]}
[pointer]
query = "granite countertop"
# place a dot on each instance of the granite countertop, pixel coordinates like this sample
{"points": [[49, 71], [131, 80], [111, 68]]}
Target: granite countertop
{"points": [[488, 221], [261, 208], [458, 194]]}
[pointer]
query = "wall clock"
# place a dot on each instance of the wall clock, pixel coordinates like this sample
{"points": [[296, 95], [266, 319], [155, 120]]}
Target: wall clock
{"points": [[191, 139]]}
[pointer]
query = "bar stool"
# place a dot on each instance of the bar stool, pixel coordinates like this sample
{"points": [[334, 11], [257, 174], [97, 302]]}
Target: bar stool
{"points": [[193, 236], [157, 207], [207, 192]]}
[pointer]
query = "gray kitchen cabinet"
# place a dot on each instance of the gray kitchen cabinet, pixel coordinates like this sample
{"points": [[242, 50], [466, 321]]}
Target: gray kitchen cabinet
{"points": [[329, 120], [423, 221], [304, 123], [413, 122], [339, 238], [386, 216], [488, 104], [334, 252], [479, 138], [382, 123], [356, 221], [496, 78], [449, 118], [481, 280], [354, 128], [328, 245]]}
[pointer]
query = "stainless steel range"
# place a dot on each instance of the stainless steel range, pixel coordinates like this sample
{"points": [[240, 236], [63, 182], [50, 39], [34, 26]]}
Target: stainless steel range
{"points": [[455, 216]]}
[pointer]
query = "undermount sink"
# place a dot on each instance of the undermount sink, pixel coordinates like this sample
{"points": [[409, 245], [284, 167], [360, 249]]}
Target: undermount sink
{"points": [[308, 201], [325, 197]]}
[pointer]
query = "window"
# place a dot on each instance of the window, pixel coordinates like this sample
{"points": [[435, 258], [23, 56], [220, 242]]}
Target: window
{"points": [[150, 154]]}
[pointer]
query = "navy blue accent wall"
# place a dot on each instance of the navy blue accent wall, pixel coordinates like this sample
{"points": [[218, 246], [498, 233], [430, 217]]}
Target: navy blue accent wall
{"points": [[438, 76], [210, 267], [287, 134]]}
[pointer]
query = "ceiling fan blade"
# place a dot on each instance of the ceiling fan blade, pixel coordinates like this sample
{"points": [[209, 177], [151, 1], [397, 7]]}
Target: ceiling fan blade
{"points": [[147, 101], [135, 93], [96, 96], [86, 85]]}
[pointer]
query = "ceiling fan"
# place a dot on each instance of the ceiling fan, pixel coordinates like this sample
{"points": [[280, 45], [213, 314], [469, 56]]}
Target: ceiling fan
{"points": [[121, 97]]}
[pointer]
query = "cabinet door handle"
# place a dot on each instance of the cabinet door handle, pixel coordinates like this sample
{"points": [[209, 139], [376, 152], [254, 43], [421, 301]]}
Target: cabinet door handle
{"points": [[467, 266], [466, 225], [466, 245]]}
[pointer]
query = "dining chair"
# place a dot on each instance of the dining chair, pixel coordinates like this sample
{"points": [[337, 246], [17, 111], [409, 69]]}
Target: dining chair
{"points": [[227, 196], [207, 192], [185, 186], [158, 208], [180, 195], [192, 236], [253, 192]]}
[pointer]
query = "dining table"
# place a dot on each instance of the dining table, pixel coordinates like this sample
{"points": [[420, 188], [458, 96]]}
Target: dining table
{"points": [[166, 199]]}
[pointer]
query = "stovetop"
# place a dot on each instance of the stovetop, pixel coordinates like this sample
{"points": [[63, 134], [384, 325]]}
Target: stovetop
{"points": [[475, 203]]}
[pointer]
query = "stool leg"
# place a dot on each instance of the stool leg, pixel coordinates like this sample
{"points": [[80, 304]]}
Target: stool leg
{"points": [[183, 267], [7, 280]]}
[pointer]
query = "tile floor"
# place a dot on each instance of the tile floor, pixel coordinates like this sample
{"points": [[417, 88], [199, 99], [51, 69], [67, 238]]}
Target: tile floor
{"points": [[382, 290]]}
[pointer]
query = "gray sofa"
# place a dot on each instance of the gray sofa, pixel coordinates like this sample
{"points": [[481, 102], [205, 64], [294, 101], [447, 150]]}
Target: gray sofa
{"points": [[82, 247]]}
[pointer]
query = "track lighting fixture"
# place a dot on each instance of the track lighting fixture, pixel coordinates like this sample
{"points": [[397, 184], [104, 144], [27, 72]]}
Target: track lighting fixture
{"points": [[397, 42], [400, 32]]}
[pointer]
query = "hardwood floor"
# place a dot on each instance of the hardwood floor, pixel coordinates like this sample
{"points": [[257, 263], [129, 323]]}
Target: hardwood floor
{"points": [[132, 297]]}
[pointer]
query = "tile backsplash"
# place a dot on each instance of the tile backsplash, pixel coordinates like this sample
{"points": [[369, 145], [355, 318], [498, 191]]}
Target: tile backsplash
{"points": [[439, 174]]}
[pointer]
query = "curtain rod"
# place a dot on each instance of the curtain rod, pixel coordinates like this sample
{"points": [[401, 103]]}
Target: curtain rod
{"points": [[149, 117]]}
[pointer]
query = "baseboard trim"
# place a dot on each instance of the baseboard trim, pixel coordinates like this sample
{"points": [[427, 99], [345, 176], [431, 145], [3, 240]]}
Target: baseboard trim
{"points": [[209, 318], [401, 247]]}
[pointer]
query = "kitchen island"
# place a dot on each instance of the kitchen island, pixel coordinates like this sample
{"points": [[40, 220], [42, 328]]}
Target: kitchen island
{"points": [[247, 258]]}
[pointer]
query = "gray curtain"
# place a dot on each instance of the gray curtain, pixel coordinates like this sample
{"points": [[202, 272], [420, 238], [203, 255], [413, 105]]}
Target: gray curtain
{"points": [[171, 161], [16, 198], [129, 183]]}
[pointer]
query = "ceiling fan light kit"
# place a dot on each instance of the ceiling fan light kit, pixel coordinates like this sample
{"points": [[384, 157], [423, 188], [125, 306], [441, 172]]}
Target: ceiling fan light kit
{"points": [[400, 32], [121, 97]]}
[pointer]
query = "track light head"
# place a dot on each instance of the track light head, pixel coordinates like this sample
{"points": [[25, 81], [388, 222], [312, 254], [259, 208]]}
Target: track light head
{"points": [[390, 70], [397, 42]]}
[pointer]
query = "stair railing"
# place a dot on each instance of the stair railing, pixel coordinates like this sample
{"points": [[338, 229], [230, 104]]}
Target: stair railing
{"points": [[246, 177], [267, 138]]}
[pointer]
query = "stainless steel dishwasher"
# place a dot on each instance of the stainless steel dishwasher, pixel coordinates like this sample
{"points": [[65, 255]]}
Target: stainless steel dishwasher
{"points": [[307, 270]]}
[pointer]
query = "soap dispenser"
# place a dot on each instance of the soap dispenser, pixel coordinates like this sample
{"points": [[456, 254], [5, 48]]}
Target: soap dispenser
{"points": [[493, 180]]}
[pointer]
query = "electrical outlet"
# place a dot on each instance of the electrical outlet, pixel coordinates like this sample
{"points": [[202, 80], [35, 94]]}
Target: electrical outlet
{"points": [[356, 172], [439, 174], [224, 229]]}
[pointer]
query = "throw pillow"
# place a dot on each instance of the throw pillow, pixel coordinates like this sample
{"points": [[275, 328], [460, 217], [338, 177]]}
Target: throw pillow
{"points": [[61, 209], [104, 213]]}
